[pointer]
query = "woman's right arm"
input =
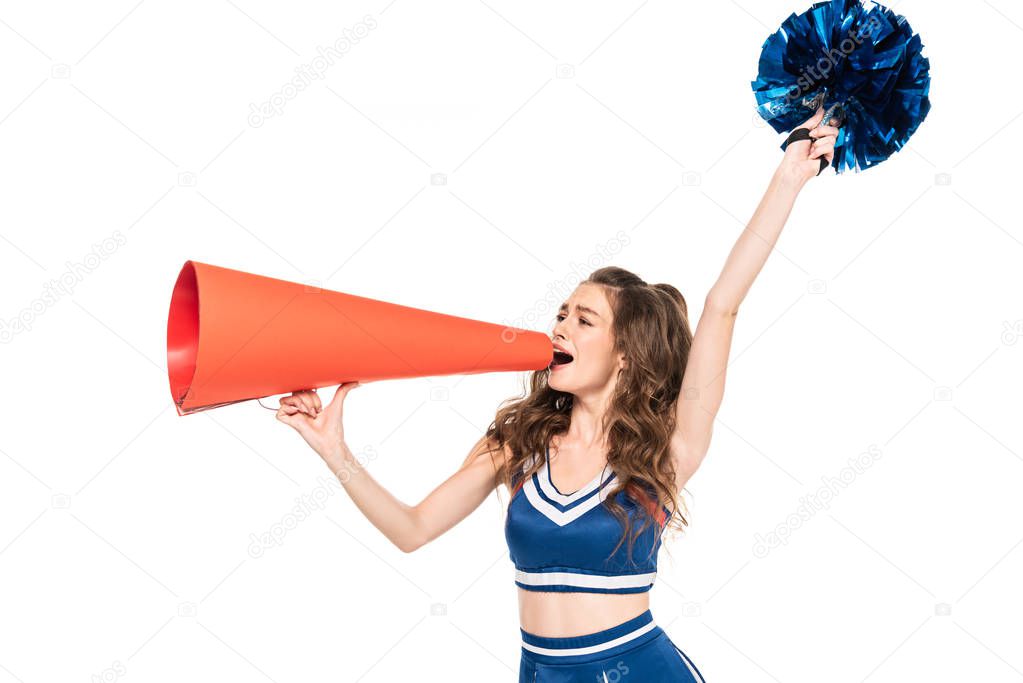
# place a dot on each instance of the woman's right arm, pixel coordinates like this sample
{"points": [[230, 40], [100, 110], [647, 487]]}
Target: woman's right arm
{"points": [[407, 526], [412, 526]]}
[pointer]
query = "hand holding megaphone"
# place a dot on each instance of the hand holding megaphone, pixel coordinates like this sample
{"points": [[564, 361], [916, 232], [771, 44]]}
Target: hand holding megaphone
{"points": [[322, 428]]}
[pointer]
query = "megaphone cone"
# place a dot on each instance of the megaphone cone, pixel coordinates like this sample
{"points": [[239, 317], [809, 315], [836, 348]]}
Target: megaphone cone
{"points": [[234, 336]]}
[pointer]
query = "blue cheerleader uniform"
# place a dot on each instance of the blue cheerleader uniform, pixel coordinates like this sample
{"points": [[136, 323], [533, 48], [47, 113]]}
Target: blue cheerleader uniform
{"points": [[562, 542]]}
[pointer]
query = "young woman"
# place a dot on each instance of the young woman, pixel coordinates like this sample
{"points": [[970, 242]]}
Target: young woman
{"points": [[594, 456]]}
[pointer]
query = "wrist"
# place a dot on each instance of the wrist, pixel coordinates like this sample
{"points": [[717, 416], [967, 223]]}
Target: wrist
{"points": [[788, 178], [338, 457]]}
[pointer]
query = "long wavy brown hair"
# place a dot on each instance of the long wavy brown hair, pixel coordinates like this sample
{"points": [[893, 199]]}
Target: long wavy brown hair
{"points": [[651, 328]]}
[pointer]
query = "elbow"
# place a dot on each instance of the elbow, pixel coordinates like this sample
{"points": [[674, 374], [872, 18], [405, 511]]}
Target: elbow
{"points": [[412, 537], [408, 545]]}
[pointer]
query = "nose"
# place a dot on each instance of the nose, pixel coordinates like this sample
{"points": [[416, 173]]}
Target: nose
{"points": [[558, 324]]}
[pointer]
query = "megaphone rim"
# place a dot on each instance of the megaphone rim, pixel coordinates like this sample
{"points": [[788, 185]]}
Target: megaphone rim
{"points": [[183, 333]]}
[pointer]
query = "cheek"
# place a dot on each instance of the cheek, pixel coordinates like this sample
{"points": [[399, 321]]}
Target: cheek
{"points": [[598, 354]]}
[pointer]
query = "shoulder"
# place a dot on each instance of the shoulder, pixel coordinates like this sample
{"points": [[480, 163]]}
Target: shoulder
{"points": [[488, 450]]}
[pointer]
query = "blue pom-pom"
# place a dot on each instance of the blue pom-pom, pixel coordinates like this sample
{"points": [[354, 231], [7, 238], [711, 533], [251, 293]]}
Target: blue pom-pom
{"points": [[863, 64]]}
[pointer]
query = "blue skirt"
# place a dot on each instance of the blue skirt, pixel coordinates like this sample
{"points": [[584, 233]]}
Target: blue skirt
{"points": [[635, 650]]}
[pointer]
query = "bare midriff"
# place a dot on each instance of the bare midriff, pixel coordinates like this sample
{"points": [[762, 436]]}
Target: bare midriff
{"points": [[557, 615]]}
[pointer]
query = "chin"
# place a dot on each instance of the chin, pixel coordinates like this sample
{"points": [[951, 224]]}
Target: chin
{"points": [[558, 382]]}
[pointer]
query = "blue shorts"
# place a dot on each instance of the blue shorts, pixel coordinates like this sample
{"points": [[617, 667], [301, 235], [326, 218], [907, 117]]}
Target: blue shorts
{"points": [[635, 650]]}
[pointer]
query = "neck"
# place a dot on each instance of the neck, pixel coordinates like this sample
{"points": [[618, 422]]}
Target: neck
{"points": [[588, 413]]}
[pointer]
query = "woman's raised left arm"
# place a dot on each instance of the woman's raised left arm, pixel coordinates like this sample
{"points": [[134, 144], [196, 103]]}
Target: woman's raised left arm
{"points": [[703, 384]]}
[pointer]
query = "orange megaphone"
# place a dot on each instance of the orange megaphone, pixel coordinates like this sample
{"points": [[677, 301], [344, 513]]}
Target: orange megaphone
{"points": [[234, 336]]}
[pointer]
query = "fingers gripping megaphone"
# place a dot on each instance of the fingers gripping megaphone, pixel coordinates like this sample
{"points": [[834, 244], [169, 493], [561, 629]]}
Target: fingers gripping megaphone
{"points": [[234, 336]]}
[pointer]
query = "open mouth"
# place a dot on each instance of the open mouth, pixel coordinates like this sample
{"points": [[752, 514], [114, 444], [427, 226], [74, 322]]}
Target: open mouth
{"points": [[560, 358]]}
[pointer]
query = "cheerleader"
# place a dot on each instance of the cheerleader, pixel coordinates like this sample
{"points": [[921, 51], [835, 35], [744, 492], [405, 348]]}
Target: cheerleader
{"points": [[596, 455]]}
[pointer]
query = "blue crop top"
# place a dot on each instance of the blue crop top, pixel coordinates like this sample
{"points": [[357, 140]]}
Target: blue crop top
{"points": [[562, 542]]}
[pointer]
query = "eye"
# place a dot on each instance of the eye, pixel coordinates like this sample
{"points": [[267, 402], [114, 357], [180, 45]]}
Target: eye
{"points": [[584, 321]]}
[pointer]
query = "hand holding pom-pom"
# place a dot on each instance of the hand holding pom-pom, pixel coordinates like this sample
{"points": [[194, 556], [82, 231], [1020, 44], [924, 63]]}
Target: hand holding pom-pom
{"points": [[812, 149], [864, 63]]}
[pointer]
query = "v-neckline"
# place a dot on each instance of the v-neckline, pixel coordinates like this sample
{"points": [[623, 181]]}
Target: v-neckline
{"points": [[595, 481]]}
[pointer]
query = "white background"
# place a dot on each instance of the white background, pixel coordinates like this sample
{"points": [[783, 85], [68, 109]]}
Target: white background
{"points": [[888, 318]]}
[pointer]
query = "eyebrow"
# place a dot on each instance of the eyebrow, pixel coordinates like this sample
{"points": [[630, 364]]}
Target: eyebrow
{"points": [[580, 307]]}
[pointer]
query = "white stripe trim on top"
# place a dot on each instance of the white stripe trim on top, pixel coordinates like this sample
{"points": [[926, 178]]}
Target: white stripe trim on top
{"points": [[584, 580], [551, 491], [570, 651], [559, 517], [696, 674]]}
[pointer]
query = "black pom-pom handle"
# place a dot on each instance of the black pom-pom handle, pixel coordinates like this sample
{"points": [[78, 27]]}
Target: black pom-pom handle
{"points": [[800, 134]]}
